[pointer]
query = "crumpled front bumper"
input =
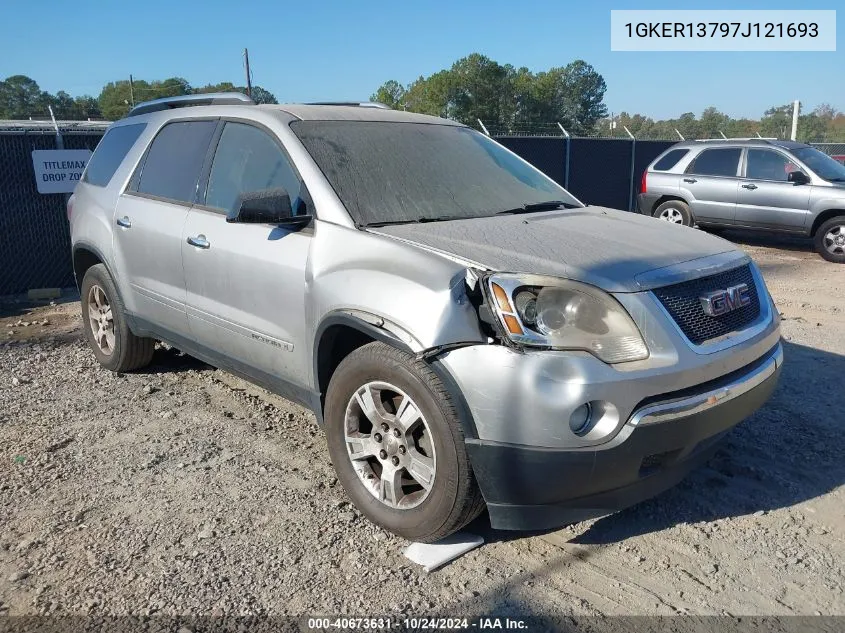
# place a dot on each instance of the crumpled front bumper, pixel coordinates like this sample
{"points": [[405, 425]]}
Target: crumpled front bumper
{"points": [[530, 488]]}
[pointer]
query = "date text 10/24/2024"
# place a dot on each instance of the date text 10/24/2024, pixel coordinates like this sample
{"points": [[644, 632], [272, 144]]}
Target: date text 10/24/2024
{"points": [[417, 624]]}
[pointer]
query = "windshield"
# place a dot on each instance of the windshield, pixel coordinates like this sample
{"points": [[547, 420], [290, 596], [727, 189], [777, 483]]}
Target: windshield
{"points": [[822, 164], [388, 172]]}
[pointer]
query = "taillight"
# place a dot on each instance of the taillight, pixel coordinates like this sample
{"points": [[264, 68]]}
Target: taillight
{"points": [[69, 208], [643, 187]]}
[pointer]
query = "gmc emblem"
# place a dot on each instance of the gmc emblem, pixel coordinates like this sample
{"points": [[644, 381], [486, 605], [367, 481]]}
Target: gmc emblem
{"points": [[721, 302]]}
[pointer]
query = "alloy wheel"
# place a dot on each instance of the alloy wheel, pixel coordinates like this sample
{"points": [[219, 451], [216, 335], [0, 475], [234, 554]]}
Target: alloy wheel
{"points": [[100, 319], [390, 445], [672, 215], [834, 240]]}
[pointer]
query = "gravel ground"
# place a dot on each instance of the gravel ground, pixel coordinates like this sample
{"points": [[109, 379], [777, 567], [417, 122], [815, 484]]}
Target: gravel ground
{"points": [[181, 489]]}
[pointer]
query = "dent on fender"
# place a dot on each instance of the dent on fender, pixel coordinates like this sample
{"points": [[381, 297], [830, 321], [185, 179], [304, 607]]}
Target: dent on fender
{"points": [[417, 297]]}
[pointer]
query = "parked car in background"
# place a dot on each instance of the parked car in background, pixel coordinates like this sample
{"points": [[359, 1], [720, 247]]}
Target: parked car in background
{"points": [[840, 158], [464, 329], [761, 184]]}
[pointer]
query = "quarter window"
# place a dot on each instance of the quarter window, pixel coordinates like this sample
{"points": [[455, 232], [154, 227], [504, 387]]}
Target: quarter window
{"points": [[721, 161], [110, 152], [764, 164], [248, 160], [174, 160], [670, 159]]}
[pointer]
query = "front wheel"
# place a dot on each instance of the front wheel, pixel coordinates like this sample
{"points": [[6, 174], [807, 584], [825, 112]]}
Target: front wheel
{"points": [[830, 240], [397, 445], [674, 211]]}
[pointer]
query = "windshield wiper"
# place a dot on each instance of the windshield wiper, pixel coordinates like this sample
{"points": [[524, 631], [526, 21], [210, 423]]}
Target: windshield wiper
{"points": [[437, 218], [531, 207]]}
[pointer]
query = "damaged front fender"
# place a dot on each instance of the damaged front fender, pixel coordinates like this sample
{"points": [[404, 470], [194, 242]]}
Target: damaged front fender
{"points": [[401, 294]]}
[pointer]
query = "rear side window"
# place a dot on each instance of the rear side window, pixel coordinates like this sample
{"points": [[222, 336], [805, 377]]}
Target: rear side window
{"points": [[110, 152], [670, 159], [248, 160], [722, 161], [175, 159]]}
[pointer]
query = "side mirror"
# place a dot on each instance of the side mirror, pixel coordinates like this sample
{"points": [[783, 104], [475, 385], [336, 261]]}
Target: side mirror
{"points": [[798, 178], [266, 206]]}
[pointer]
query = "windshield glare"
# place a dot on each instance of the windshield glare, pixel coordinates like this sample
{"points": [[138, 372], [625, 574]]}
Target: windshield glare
{"points": [[386, 172], [821, 164]]}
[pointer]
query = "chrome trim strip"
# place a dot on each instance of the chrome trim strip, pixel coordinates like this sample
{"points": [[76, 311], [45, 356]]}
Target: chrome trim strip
{"points": [[691, 269], [657, 413], [758, 325]]}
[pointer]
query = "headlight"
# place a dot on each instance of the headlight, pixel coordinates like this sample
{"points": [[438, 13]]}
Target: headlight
{"points": [[562, 314]]}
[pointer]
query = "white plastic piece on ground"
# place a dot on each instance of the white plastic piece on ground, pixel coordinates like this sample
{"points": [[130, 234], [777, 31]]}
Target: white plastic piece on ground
{"points": [[434, 555]]}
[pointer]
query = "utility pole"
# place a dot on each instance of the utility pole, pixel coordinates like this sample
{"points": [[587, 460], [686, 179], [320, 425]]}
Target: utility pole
{"points": [[131, 92], [248, 76], [795, 106]]}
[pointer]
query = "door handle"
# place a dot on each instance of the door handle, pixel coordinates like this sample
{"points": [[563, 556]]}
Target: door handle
{"points": [[199, 241], [751, 186], [690, 180], [124, 222]]}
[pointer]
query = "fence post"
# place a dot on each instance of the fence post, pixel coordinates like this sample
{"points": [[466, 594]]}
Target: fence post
{"points": [[566, 159], [633, 166], [60, 143]]}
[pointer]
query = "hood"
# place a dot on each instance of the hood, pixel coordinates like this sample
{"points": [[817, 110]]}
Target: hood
{"points": [[614, 250]]}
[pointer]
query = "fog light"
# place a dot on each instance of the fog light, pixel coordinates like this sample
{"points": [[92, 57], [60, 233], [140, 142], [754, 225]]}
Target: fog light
{"points": [[580, 419]]}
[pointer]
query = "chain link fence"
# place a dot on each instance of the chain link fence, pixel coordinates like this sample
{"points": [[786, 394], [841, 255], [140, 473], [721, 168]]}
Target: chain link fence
{"points": [[34, 232], [832, 149]]}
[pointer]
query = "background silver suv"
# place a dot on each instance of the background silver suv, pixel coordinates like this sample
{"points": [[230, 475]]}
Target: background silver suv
{"points": [[463, 328], [754, 184]]}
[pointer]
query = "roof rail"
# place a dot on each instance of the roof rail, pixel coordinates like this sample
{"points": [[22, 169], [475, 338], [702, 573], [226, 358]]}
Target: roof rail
{"points": [[356, 104], [183, 101], [736, 138]]}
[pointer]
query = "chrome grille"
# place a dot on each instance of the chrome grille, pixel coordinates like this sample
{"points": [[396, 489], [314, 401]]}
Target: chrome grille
{"points": [[682, 301]]}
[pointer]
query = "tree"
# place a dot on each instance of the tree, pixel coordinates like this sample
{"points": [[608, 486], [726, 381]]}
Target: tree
{"points": [[712, 123], [583, 96], [225, 86], [501, 96], [432, 95], [479, 90], [20, 97], [64, 107], [811, 128], [87, 107], [777, 122], [260, 95], [116, 97], [390, 93]]}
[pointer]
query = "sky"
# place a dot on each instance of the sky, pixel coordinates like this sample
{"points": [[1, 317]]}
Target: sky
{"points": [[336, 50]]}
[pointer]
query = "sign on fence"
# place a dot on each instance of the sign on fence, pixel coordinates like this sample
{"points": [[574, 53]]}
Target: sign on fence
{"points": [[58, 170]]}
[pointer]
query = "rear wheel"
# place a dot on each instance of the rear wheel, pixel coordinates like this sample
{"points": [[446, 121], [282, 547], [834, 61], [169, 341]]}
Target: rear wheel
{"points": [[830, 240], [397, 445], [674, 211], [104, 324]]}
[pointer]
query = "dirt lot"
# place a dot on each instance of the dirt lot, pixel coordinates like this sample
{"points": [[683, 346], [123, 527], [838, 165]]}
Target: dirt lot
{"points": [[183, 490]]}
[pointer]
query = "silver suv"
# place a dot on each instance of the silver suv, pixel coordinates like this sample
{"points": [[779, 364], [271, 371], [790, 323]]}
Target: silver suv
{"points": [[761, 184], [466, 331]]}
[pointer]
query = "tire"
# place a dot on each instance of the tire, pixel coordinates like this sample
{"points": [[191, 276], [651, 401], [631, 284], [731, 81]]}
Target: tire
{"points": [[453, 498], [675, 211], [829, 240], [120, 350]]}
